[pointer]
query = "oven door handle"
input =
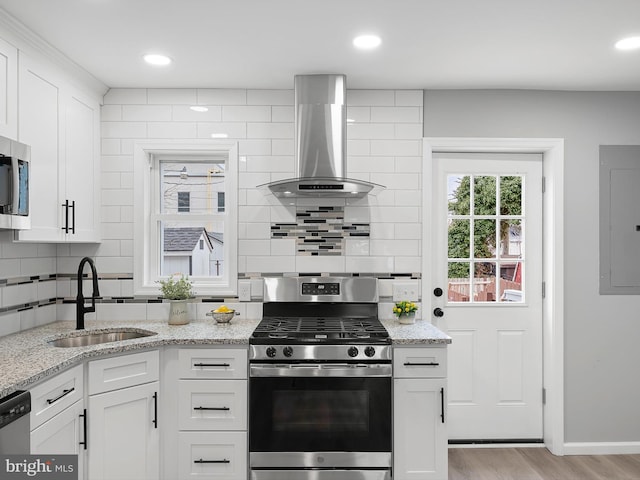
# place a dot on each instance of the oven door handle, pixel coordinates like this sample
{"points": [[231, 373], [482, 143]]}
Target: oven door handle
{"points": [[320, 370]]}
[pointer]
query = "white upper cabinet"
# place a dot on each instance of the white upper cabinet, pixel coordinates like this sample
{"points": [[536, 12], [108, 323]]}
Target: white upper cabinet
{"points": [[8, 90], [61, 125]]}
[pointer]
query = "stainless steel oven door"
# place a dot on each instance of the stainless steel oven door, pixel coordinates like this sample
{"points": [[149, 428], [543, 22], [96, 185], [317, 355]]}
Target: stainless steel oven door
{"points": [[320, 475], [333, 416]]}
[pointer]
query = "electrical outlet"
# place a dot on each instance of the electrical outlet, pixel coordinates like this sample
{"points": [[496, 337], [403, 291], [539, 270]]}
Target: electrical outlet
{"points": [[244, 290], [405, 291]]}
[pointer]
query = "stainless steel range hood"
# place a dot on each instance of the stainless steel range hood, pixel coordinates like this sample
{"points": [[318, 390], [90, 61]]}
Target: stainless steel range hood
{"points": [[321, 151]]}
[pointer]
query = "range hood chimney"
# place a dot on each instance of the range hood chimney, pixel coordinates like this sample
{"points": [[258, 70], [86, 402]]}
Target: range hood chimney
{"points": [[321, 151]]}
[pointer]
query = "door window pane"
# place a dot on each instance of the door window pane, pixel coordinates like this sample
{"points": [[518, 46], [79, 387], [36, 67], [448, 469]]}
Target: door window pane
{"points": [[484, 238], [458, 241], [511, 276], [484, 202], [459, 288], [484, 280], [459, 194], [511, 195]]}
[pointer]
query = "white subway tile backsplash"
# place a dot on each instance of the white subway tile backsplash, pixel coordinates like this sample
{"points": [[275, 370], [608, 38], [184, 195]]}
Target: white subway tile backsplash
{"points": [[283, 246], [126, 247], [254, 213], [110, 146], [117, 231], [126, 213], [172, 130], [370, 264], [254, 147], [9, 323], [250, 180], [385, 214], [408, 231], [270, 163], [246, 113], [121, 196], [270, 97], [222, 96], [357, 115], [231, 129], [27, 318], [409, 98], [117, 163], [110, 180], [18, 294], [371, 131], [382, 231], [124, 130], [183, 113], [397, 181], [172, 96], [254, 247], [411, 165], [46, 314], [357, 246], [395, 114], [10, 267], [409, 264], [408, 131], [260, 231], [37, 266], [395, 248], [396, 147], [111, 113], [320, 264], [126, 96], [357, 214], [408, 198], [283, 214], [282, 147], [371, 164], [114, 265], [146, 113], [109, 248], [272, 264], [270, 130], [370, 98], [120, 311], [19, 250], [281, 113]]}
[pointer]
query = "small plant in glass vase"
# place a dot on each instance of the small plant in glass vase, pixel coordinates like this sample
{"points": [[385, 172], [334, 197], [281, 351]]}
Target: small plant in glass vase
{"points": [[405, 311], [178, 289]]}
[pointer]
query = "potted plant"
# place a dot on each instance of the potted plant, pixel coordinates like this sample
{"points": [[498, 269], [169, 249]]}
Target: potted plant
{"points": [[178, 289], [405, 311]]}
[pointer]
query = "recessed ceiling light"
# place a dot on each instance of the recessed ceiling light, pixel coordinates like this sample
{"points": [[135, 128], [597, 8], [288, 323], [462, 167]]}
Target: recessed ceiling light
{"points": [[199, 108], [157, 60], [629, 43], [367, 42]]}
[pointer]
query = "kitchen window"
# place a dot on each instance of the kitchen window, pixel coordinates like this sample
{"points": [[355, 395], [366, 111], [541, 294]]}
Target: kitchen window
{"points": [[179, 226]]}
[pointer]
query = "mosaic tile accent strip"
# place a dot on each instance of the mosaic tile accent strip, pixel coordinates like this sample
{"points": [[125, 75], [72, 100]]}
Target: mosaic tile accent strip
{"points": [[320, 230]]}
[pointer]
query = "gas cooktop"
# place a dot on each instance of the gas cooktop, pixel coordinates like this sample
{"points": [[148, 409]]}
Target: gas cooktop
{"points": [[328, 330]]}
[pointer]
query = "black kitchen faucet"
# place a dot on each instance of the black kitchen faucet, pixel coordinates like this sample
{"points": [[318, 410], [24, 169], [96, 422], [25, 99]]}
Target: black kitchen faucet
{"points": [[81, 309]]}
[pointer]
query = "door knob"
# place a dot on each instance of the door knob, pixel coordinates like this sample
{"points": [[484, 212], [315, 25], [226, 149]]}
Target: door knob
{"points": [[438, 312], [437, 292]]}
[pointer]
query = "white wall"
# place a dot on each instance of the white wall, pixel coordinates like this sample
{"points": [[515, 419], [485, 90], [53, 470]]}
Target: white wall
{"points": [[602, 392]]}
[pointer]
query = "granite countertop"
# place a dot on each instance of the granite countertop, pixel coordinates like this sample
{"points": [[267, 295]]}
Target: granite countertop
{"points": [[26, 357]]}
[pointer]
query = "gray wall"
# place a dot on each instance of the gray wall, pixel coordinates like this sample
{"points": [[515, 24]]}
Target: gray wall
{"points": [[602, 333]]}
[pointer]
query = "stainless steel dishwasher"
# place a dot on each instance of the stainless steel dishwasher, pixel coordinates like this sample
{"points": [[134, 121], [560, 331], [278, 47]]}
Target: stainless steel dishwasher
{"points": [[15, 423]]}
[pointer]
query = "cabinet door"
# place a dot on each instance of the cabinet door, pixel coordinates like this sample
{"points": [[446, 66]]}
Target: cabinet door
{"points": [[123, 437], [8, 90], [38, 127], [82, 168], [420, 437], [62, 435], [212, 405]]}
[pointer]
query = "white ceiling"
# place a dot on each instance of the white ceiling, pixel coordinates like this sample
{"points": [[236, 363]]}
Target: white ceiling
{"points": [[538, 44]]}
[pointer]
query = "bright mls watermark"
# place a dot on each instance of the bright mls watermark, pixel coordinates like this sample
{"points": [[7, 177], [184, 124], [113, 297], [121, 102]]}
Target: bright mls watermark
{"points": [[49, 467]]}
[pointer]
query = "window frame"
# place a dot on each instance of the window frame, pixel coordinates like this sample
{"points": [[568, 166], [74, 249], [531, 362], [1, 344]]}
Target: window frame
{"points": [[147, 156]]}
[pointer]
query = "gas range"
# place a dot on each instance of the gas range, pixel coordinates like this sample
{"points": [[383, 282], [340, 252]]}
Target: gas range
{"points": [[320, 318]]}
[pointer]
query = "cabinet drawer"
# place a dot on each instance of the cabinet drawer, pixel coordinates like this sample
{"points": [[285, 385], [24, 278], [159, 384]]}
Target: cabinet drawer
{"points": [[229, 363], [420, 362], [55, 394], [123, 371], [212, 405], [212, 456]]}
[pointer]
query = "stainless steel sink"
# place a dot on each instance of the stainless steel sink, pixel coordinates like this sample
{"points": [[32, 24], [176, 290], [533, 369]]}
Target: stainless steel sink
{"points": [[96, 338]]}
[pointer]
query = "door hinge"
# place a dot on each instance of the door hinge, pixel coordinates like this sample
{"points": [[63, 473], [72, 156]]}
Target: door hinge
{"points": [[544, 396], [544, 289], [544, 184]]}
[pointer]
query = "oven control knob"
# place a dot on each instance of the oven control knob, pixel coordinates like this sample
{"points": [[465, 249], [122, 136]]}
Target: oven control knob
{"points": [[369, 351], [353, 352], [288, 351], [271, 352]]}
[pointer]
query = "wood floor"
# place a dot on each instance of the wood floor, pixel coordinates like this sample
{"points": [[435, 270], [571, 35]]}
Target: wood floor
{"points": [[538, 464]]}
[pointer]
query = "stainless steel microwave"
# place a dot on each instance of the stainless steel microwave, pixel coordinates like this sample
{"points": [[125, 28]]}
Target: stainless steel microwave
{"points": [[15, 169]]}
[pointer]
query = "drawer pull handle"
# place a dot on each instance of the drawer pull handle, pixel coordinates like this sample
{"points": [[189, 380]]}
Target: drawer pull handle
{"points": [[212, 461], [63, 394], [429, 364], [212, 408], [211, 365]]}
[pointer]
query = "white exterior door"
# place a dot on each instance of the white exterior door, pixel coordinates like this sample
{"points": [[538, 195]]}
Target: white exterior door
{"points": [[487, 260]]}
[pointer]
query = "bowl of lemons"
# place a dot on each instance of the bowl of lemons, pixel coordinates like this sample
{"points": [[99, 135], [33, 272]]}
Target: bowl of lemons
{"points": [[223, 314]]}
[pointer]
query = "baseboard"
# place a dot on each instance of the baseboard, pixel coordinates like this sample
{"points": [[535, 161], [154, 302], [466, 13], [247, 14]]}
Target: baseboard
{"points": [[601, 448]]}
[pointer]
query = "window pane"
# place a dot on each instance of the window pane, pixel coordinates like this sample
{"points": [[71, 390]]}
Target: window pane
{"points": [[484, 191], [511, 282], [484, 282], [511, 238], [200, 181], [511, 195], [181, 252], [459, 239], [458, 194], [459, 287], [484, 234]]}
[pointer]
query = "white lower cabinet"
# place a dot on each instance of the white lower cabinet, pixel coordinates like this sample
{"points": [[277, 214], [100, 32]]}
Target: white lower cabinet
{"points": [[419, 414], [124, 434], [208, 389], [58, 416], [212, 455]]}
